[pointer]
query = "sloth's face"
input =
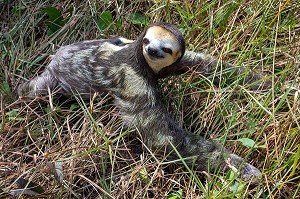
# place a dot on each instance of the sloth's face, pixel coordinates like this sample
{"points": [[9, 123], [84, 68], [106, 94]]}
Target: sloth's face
{"points": [[160, 48]]}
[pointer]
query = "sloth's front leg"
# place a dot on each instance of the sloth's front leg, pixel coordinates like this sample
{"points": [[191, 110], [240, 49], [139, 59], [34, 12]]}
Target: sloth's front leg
{"points": [[216, 70], [38, 86]]}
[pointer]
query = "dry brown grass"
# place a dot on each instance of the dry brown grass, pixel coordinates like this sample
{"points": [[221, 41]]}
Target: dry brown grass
{"points": [[102, 159]]}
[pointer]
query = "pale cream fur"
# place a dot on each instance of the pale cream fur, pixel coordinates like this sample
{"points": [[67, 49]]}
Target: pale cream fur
{"points": [[160, 37]]}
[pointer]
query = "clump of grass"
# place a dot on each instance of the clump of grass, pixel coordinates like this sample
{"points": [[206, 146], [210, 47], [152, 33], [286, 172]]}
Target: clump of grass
{"points": [[73, 148]]}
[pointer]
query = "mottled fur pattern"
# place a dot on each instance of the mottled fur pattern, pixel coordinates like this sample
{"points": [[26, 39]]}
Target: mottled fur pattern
{"points": [[118, 66]]}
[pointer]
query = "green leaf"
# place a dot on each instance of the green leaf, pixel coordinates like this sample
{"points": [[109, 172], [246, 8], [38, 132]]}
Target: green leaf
{"points": [[118, 23], [222, 16], [296, 161], [250, 143], [144, 174], [237, 187], [54, 15], [13, 115], [55, 21], [175, 195], [105, 20], [73, 107], [138, 18], [247, 142], [4, 88]]}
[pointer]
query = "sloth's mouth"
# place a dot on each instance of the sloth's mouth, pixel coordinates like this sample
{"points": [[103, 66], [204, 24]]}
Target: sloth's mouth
{"points": [[156, 56]]}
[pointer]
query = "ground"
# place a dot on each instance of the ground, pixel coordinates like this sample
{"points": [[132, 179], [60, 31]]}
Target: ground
{"points": [[70, 148]]}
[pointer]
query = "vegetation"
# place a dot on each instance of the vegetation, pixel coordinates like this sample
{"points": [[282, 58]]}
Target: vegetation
{"points": [[69, 148]]}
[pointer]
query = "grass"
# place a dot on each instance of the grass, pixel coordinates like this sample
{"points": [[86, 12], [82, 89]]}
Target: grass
{"points": [[71, 148]]}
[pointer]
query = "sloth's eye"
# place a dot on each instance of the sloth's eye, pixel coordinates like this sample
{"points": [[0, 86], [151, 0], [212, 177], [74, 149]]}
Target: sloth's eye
{"points": [[146, 41], [167, 50]]}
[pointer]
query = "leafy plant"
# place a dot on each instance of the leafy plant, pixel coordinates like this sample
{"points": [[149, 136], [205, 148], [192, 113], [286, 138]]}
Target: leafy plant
{"points": [[138, 19], [5, 88], [250, 143], [176, 195], [106, 21], [55, 21]]}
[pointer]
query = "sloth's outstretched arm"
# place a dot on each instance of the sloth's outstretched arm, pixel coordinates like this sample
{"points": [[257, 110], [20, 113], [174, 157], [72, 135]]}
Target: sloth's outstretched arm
{"points": [[158, 129], [39, 85], [214, 69]]}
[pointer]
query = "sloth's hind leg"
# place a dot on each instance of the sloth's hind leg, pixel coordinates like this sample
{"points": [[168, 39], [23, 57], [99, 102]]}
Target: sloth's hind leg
{"points": [[39, 86]]}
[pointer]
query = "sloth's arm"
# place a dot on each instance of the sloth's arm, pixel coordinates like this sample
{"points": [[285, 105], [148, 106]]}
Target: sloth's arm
{"points": [[158, 130], [215, 70], [38, 86]]}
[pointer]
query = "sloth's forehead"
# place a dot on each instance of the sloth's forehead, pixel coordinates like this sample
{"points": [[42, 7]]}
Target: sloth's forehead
{"points": [[157, 34]]}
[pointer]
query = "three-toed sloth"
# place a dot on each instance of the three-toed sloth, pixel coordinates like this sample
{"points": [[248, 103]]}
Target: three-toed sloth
{"points": [[129, 70]]}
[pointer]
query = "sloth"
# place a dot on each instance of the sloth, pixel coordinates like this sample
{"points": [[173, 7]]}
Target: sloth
{"points": [[129, 70]]}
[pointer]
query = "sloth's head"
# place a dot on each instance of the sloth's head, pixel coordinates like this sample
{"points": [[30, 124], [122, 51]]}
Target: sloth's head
{"points": [[162, 45]]}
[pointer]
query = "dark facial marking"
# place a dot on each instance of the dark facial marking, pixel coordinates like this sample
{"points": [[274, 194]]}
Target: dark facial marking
{"points": [[146, 41], [167, 50]]}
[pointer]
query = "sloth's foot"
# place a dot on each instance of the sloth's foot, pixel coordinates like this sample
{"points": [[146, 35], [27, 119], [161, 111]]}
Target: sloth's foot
{"points": [[246, 171]]}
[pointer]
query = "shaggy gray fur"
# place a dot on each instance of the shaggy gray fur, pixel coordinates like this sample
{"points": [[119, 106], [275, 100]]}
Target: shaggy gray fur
{"points": [[112, 66]]}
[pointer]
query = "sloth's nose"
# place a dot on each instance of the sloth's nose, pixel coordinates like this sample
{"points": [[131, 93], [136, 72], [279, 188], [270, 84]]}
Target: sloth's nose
{"points": [[154, 52]]}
